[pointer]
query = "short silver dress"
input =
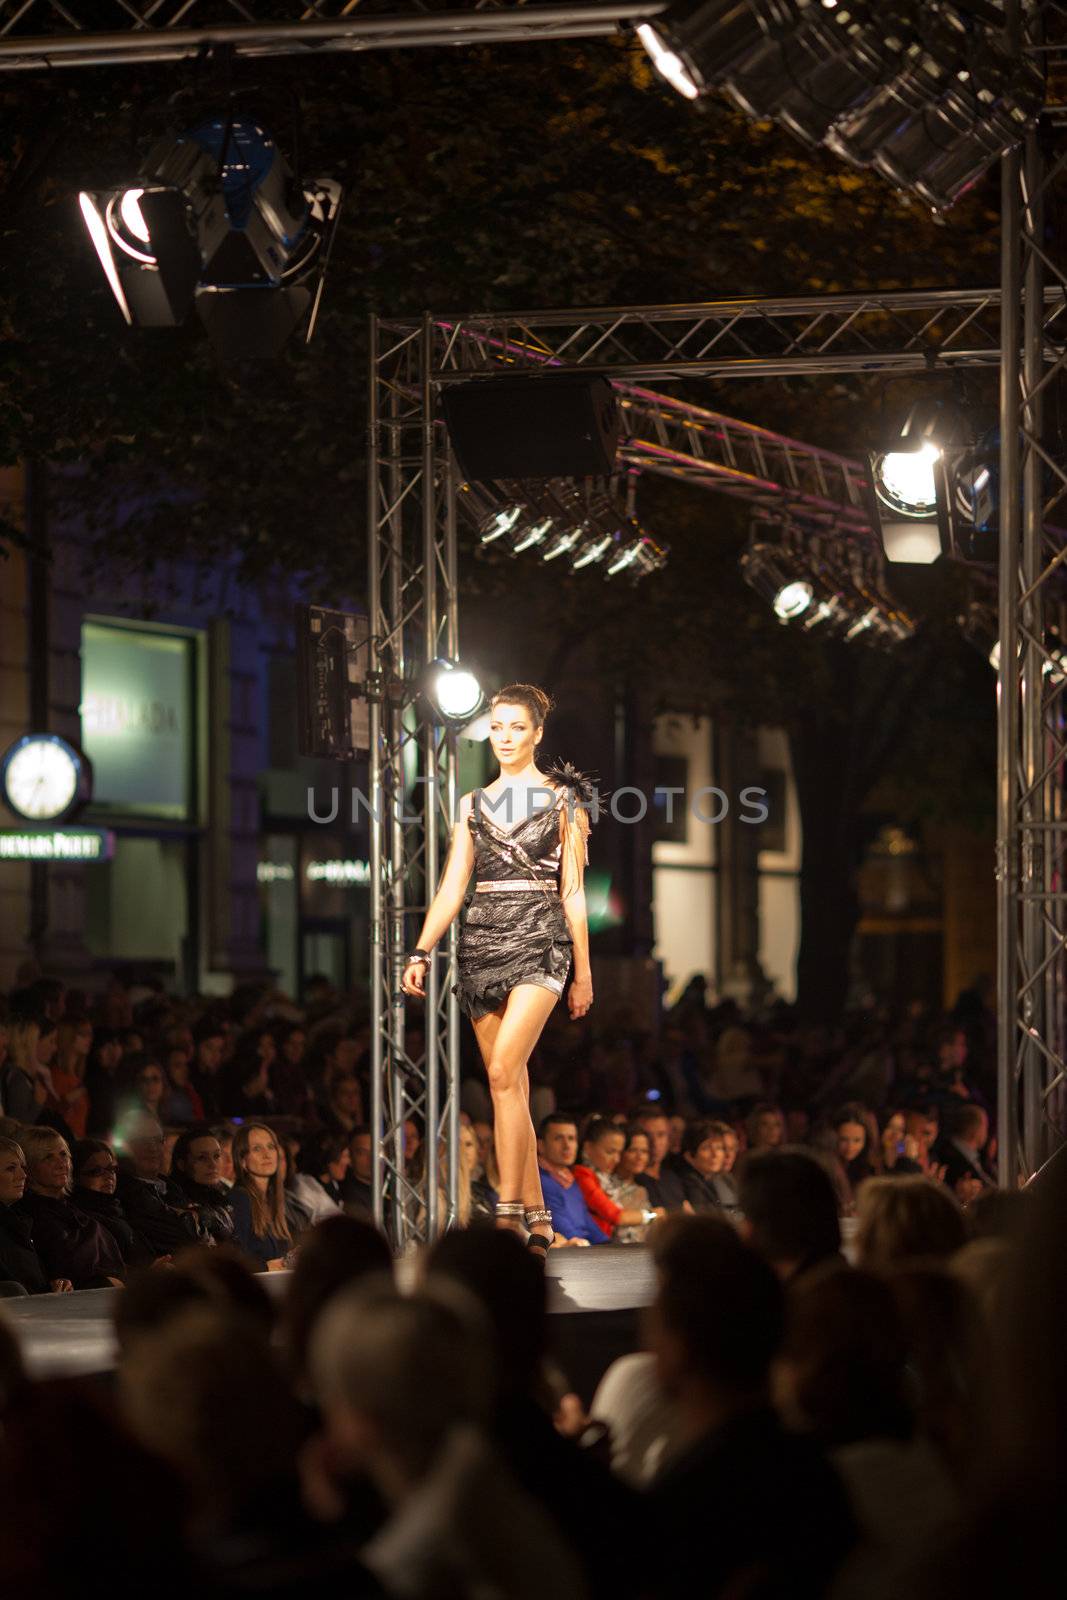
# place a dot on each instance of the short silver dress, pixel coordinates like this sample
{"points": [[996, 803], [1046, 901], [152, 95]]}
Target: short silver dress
{"points": [[513, 936]]}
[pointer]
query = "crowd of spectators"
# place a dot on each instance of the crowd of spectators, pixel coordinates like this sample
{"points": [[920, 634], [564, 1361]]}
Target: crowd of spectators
{"points": [[852, 1324]]}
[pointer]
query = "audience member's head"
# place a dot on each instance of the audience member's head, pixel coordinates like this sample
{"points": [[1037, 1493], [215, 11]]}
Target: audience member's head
{"points": [[557, 1141], [337, 1253], [361, 1151], [603, 1145], [842, 1372], [510, 1286], [765, 1127], [657, 1125], [703, 1148], [139, 1141], [906, 1219], [12, 1172], [849, 1123], [197, 1157], [94, 1166], [711, 1359], [48, 1164], [790, 1209], [395, 1374]]}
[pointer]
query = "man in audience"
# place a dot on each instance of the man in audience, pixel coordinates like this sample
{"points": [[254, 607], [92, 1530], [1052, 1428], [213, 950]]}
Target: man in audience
{"points": [[156, 1207], [557, 1151], [661, 1180], [744, 1508], [967, 1134], [789, 1208], [357, 1194]]}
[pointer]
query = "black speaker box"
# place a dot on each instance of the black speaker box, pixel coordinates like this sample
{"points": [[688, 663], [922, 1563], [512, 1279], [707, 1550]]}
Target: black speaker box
{"points": [[542, 426]]}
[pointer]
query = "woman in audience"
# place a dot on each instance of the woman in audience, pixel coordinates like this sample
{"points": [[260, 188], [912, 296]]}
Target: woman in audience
{"points": [[70, 1243], [850, 1134], [19, 1262], [195, 1169], [22, 1091], [703, 1158], [75, 1040], [907, 1219], [258, 1197], [344, 1103], [146, 1085], [182, 1104], [764, 1128], [601, 1150], [483, 1197], [897, 1156], [103, 1081], [96, 1175]]}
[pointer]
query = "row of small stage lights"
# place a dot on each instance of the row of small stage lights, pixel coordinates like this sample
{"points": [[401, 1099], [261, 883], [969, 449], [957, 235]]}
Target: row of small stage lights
{"points": [[926, 93], [558, 521], [838, 589]]}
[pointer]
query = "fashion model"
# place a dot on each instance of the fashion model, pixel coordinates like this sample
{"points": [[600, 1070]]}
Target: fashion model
{"points": [[525, 839]]}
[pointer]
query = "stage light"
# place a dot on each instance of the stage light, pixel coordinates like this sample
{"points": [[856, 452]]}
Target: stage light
{"points": [[215, 212], [637, 556], [910, 479], [500, 521], [533, 532], [454, 692], [905, 479], [767, 568], [563, 542], [592, 550], [697, 43]]}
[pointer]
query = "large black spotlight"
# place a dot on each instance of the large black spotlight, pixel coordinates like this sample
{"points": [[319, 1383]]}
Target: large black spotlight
{"points": [[637, 555], [909, 479]]}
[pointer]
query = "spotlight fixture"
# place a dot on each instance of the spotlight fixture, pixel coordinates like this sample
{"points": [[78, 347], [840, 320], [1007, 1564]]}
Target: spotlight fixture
{"points": [[216, 216], [638, 555], [909, 482], [769, 569], [696, 44], [454, 693]]}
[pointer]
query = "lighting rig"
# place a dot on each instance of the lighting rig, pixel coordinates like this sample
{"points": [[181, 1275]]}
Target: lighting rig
{"points": [[813, 582], [559, 520], [924, 93]]}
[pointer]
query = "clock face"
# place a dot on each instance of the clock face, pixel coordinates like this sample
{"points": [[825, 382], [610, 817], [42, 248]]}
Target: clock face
{"points": [[40, 777]]}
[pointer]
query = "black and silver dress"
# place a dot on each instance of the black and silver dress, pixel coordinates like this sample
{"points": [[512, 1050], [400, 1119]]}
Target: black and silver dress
{"points": [[514, 934]]}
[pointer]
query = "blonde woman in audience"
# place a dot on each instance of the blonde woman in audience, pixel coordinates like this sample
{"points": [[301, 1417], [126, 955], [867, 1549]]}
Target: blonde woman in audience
{"points": [[22, 1090], [906, 1219]]}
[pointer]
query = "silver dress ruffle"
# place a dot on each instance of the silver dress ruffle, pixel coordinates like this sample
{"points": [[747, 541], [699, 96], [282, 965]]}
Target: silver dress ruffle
{"points": [[513, 936]]}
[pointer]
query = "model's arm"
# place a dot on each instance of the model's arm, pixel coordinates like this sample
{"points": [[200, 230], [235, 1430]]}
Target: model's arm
{"points": [[574, 833], [446, 903]]}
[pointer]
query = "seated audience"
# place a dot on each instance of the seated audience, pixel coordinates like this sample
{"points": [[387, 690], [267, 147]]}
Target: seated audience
{"points": [[401, 1382], [764, 1128], [782, 1524], [343, 1110], [103, 1079], [182, 1104], [704, 1156], [357, 1193], [145, 1085], [790, 1211], [336, 1253], [95, 1177], [850, 1132], [898, 1153], [195, 1171], [482, 1196], [557, 1151], [660, 1179], [72, 1245], [961, 1152], [260, 1226], [323, 1164], [71, 1097], [22, 1090], [601, 1150], [154, 1204], [20, 1265], [907, 1219]]}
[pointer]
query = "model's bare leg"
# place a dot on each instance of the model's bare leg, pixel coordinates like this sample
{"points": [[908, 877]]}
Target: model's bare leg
{"points": [[506, 1042]]}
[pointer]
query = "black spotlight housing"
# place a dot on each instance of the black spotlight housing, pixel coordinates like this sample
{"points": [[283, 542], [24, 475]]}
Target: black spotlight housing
{"points": [[909, 483]]}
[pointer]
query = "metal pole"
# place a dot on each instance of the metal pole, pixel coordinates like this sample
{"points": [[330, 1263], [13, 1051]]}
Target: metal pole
{"points": [[431, 773], [1007, 687], [452, 786], [378, 959]]}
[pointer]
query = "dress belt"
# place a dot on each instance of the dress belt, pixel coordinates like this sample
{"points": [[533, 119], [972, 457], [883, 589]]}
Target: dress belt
{"points": [[493, 886]]}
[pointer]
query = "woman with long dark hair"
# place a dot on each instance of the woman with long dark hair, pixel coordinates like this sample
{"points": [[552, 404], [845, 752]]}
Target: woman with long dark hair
{"points": [[258, 1197], [524, 838]]}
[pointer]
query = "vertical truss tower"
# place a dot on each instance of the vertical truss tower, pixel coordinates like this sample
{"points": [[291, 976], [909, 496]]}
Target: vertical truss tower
{"points": [[411, 542]]}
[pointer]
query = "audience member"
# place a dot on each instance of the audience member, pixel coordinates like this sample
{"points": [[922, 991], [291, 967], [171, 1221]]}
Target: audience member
{"points": [[602, 1148], [898, 1149], [907, 1219], [557, 1151], [20, 1265], [155, 1205], [704, 1156], [661, 1180], [22, 1090], [790, 1211], [196, 1165], [72, 1245], [357, 1192], [258, 1197], [103, 1081], [850, 1132], [337, 1253], [74, 1042]]}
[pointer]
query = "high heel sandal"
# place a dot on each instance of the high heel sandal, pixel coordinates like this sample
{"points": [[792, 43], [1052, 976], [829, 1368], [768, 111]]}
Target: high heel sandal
{"points": [[537, 1241]]}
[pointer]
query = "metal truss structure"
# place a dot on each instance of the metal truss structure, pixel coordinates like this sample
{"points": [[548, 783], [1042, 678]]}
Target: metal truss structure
{"points": [[37, 34], [1020, 329], [1032, 723]]}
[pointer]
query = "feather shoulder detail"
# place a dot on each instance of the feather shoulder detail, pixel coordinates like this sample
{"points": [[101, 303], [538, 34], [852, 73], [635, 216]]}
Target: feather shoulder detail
{"points": [[569, 777]]}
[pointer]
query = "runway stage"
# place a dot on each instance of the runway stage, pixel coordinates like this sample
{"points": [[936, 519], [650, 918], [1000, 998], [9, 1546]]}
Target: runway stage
{"points": [[594, 1298]]}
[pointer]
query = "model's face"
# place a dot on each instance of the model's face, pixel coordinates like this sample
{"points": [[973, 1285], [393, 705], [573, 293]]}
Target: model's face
{"points": [[262, 1157], [100, 1173], [709, 1156], [605, 1152], [203, 1161], [12, 1177], [512, 735], [635, 1156], [560, 1144], [851, 1137]]}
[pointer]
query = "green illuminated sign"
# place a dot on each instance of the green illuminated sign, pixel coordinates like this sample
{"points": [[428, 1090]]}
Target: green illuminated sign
{"points": [[57, 844], [137, 719]]}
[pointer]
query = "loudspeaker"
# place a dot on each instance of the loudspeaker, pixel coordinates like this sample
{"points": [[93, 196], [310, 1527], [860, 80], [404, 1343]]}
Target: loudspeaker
{"points": [[541, 426]]}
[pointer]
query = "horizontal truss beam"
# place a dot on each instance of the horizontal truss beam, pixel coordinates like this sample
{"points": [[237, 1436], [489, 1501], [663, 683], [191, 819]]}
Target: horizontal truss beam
{"points": [[148, 40]]}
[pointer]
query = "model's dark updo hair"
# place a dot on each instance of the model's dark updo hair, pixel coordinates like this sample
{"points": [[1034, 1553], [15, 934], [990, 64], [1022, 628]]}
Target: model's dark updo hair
{"points": [[529, 696]]}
